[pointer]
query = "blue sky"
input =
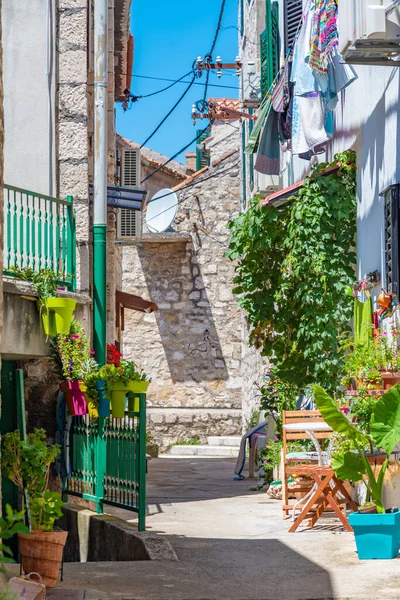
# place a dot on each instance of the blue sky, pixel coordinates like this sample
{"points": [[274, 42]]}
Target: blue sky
{"points": [[168, 38]]}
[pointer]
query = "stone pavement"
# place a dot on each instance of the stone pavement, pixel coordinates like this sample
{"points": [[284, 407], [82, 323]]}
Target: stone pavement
{"points": [[232, 544]]}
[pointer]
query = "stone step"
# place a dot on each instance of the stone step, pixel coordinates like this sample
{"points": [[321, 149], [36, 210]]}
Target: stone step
{"points": [[224, 440], [212, 451]]}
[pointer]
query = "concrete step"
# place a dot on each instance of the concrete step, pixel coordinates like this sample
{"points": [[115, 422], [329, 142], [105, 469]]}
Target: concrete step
{"points": [[224, 440], [212, 451]]}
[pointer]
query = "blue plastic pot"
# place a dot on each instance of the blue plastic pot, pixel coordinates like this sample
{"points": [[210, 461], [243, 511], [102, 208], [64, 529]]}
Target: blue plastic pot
{"points": [[377, 535], [104, 402]]}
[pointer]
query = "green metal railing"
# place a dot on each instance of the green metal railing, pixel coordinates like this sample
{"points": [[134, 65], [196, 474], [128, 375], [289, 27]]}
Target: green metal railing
{"points": [[108, 461], [39, 232]]}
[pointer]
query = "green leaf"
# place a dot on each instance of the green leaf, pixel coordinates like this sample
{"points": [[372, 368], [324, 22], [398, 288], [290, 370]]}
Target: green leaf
{"points": [[334, 417], [349, 466], [385, 420]]}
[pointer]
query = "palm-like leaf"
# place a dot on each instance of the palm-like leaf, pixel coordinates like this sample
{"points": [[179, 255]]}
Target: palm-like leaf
{"points": [[349, 466], [334, 417], [385, 420]]}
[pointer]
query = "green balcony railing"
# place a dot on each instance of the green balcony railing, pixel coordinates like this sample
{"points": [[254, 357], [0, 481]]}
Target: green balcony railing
{"points": [[39, 233]]}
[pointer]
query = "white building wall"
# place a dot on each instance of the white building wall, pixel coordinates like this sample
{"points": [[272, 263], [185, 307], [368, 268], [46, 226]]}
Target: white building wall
{"points": [[26, 150]]}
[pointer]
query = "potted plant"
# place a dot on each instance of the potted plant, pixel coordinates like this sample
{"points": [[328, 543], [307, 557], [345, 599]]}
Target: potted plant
{"points": [[122, 380], [71, 353], [27, 464], [96, 394], [377, 535], [56, 313]]}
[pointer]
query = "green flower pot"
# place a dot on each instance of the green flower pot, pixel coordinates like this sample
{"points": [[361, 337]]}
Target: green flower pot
{"points": [[118, 397], [118, 403], [57, 315], [139, 387]]}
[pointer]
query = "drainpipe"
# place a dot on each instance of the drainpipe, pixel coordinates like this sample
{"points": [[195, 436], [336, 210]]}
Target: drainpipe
{"points": [[100, 180], [49, 40]]}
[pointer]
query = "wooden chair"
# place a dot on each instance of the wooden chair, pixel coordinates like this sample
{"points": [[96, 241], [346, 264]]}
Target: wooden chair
{"points": [[290, 460]]}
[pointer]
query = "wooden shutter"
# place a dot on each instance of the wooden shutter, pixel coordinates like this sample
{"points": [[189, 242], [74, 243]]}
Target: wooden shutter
{"points": [[244, 170], [293, 12], [130, 171], [251, 157], [269, 47], [392, 238]]}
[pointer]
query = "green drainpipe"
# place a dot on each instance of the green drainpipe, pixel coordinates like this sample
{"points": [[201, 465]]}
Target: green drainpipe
{"points": [[100, 291]]}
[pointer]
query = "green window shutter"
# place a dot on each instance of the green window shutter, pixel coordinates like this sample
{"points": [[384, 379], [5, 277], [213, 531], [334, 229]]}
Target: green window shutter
{"points": [[251, 157], [269, 47], [244, 170], [202, 157]]}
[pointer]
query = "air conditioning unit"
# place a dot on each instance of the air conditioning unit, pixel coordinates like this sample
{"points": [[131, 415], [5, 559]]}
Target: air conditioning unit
{"points": [[366, 20], [129, 224], [251, 91], [130, 168]]}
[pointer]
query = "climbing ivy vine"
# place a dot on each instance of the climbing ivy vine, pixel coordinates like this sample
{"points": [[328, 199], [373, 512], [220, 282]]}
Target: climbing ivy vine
{"points": [[294, 264]]}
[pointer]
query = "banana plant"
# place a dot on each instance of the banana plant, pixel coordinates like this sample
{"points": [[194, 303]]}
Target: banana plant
{"points": [[385, 435]]}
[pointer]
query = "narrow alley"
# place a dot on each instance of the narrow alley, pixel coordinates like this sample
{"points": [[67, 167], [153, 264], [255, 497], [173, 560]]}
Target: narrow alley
{"points": [[232, 544]]}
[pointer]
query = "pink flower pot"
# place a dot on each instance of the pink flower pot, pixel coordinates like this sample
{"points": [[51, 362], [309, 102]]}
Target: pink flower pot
{"points": [[74, 397]]}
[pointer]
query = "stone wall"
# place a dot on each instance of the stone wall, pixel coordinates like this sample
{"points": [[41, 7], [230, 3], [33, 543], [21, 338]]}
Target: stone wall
{"points": [[72, 122], [192, 345]]}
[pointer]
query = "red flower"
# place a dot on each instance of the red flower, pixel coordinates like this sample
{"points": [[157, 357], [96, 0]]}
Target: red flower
{"points": [[113, 355]]}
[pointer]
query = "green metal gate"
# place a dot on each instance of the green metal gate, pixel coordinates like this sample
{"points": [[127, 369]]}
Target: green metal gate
{"points": [[108, 461]]}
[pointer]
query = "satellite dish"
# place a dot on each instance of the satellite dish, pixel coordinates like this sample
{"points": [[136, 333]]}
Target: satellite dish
{"points": [[161, 211]]}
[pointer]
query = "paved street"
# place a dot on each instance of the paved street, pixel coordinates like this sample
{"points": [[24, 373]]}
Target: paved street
{"points": [[233, 545]]}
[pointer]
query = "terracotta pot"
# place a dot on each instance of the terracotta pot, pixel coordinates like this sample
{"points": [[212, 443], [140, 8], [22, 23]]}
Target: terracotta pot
{"points": [[41, 552], [367, 510], [390, 379]]}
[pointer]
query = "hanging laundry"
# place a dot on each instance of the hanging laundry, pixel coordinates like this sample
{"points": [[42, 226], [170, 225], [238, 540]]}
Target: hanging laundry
{"points": [[268, 157], [324, 34]]}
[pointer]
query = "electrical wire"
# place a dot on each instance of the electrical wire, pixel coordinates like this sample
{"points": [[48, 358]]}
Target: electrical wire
{"points": [[170, 112], [175, 155], [197, 182], [166, 88], [230, 87], [208, 57]]}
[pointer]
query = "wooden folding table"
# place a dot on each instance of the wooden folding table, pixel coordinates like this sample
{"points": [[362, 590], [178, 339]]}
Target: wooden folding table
{"points": [[324, 496]]}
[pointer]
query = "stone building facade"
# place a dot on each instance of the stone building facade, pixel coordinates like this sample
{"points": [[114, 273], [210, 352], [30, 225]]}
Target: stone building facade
{"points": [[48, 50], [192, 345]]}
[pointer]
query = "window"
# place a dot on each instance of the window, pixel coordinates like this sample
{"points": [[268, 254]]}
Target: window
{"points": [[392, 256], [202, 155], [269, 47], [293, 12]]}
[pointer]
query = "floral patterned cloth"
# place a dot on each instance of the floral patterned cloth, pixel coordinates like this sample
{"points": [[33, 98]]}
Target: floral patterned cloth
{"points": [[324, 34]]}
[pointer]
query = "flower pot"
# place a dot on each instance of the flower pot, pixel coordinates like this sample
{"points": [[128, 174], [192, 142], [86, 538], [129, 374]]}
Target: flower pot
{"points": [[140, 387], [41, 552], [390, 379], [118, 396], [377, 535], [91, 407], [104, 402], [57, 314], [75, 398], [118, 403], [367, 510]]}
